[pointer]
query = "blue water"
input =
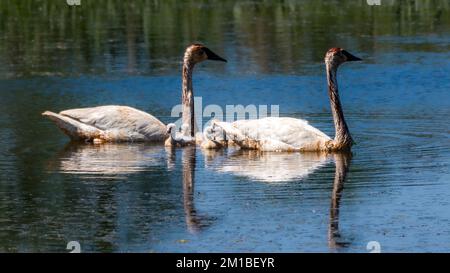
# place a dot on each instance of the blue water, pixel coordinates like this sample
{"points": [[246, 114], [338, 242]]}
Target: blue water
{"points": [[146, 198]]}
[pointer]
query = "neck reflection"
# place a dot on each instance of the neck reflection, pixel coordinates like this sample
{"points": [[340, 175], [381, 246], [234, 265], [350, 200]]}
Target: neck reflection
{"points": [[342, 162], [195, 223], [287, 167]]}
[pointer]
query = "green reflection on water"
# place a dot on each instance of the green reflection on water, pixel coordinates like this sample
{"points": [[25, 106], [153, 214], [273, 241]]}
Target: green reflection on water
{"points": [[50, 37]]}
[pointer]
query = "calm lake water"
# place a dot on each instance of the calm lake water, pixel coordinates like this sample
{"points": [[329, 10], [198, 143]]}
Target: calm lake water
{"points": [[393, 189]]}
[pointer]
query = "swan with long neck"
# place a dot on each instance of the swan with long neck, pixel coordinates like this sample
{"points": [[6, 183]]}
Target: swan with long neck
{"points": [[113, 123], [290, 134]]}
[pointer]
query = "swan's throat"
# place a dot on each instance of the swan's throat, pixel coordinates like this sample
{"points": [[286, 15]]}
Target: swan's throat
{"points": [[342, 136], [188, 98]]}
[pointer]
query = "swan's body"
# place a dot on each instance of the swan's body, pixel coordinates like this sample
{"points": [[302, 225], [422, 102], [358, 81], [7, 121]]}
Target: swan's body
{"points": [[275, 134], [109, 124], [289, 134], [125, 124]]}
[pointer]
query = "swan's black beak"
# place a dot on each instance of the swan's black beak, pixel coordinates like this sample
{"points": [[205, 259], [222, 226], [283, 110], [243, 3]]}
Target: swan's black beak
{"points": [[213, 56], [350, 57]]}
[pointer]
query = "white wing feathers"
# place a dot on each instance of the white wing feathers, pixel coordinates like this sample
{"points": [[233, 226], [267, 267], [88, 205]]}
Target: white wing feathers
{"points": [[273, 134], [112, 116], [118, 123]]}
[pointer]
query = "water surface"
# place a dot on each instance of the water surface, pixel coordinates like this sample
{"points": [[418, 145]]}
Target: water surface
{"points": [[393, 188]]}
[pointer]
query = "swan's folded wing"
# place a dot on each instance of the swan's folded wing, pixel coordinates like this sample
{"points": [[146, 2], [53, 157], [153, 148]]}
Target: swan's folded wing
{"points": [[126, 120], [231, 130], [294, 132]]}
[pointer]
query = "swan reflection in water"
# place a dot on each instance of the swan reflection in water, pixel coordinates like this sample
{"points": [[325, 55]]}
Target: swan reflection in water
{"points": [[342, 163], [268, 166], [118, 160], [115, 161], [110, 160], [286, 167], [194, 221]]}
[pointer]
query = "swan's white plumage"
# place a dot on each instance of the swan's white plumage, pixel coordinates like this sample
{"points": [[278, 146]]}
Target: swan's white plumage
{"points": [[111, 122], [273, 134], [178, 138]]}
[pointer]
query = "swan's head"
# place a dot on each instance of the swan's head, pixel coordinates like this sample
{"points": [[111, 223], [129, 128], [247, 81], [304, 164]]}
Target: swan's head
{"points": [[337, 56], [170, 127], [196, 53]]}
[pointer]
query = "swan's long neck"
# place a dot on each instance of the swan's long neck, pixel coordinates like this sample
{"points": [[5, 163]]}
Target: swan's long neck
{"points": [[188, 96], [342, 137]]}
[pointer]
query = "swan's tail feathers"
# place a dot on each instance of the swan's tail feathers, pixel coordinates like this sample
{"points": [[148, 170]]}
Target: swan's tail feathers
{"points": [[75, 129]]}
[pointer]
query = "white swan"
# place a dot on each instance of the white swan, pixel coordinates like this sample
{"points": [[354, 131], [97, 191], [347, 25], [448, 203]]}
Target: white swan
{"points": [[114, 123], [178, 138], [290, 134]]}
